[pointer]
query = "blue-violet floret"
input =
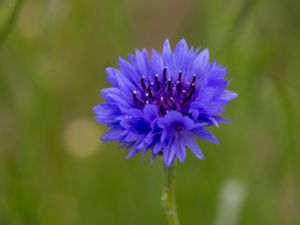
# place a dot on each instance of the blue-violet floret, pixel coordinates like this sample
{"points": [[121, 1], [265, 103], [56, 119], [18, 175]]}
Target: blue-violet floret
{"points": [[164, 102]]}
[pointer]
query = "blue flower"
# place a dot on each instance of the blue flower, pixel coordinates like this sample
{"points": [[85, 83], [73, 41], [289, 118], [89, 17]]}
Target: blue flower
{"points": [[164, 102]]}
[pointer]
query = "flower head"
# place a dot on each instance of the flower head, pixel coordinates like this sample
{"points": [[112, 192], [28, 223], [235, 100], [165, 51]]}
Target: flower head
{"points": [[164, 102]]}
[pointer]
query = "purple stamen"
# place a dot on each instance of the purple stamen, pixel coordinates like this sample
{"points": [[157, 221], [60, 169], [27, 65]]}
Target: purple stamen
{"points": [[150, 91], [194, 79], [136, 98], [165, 98], [180, 76], [157, 81], [169, 85], [178, 86], [192, 89], [143, 83], [165, 74], [174, 102], [161, 107]]}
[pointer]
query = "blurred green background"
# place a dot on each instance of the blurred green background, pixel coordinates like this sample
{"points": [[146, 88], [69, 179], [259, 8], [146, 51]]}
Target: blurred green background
{"points": [[55, 171]]}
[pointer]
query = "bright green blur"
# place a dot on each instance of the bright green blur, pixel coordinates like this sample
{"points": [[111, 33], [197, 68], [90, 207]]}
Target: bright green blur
{"points": [[55, 171]]}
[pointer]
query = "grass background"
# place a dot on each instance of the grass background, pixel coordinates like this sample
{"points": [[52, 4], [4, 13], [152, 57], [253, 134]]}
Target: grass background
{"points": [[54, 170]]}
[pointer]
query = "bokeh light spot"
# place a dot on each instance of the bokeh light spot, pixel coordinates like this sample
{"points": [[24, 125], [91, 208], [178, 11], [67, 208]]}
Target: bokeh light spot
{"points": [[82, 137]]}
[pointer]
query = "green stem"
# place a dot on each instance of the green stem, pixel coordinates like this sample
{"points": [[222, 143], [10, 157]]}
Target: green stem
{"points": [[10, 20], [168, 197]]}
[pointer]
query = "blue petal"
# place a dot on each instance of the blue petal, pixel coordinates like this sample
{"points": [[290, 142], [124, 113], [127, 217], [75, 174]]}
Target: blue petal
{"points": [[223, 119], [166, 51], [107, 113], [228, 95], [112, 74], [166, 134], [157, 148], [136, 124], [157, 64], [133, 152], [125, 86], [202, 59], [181, 47], [219, 72], [132, 60], [129, 71], [150, 112], [114, 95], [131, 137], [181, 152], [205, 135], [113, 135], [175, 121], [213, 120], [171, 156], [194, 147], [170, 118], [187, 123], [142, 61], [150, 139], [205, 95], [179, 53], [194, 113], [218, 85], [168, 153]]}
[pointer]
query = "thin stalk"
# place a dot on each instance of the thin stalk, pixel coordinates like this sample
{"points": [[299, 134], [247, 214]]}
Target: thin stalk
{"points": [[168, 197], [10, 20]]}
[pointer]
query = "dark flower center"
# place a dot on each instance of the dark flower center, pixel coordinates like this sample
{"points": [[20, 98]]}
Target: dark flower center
{"points": [[166, 94]]}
